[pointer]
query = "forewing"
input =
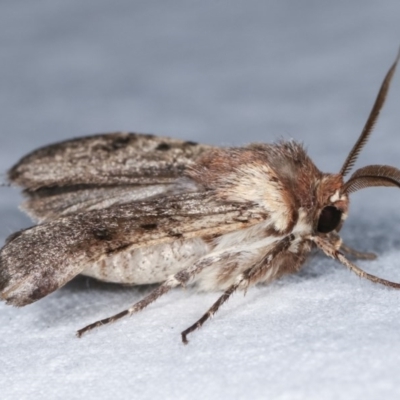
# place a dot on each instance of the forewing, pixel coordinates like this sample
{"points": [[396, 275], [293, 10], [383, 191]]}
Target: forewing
{"points": [[106, 160], [89, 172], [37, 261]]}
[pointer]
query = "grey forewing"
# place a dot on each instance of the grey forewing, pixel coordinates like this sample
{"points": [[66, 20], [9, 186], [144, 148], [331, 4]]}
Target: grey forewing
{"points": [[106, 160], [97, 171], [39, 260]]}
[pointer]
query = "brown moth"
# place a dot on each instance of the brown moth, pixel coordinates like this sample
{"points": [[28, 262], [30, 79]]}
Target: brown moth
{"points": [[140, 209]]}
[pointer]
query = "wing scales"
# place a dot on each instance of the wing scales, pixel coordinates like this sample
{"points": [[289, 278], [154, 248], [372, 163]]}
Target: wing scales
{"points": [[98, 171], [106, 160]]}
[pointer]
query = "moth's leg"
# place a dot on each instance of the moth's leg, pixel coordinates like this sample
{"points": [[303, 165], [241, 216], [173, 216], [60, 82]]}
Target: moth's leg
{"points": [[212, 310], [357, 254], [250, 276], [180, 278], [330, 251], [140, 305]]}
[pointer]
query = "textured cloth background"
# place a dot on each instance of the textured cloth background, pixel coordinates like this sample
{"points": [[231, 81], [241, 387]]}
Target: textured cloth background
{"points": [[224, 73]]}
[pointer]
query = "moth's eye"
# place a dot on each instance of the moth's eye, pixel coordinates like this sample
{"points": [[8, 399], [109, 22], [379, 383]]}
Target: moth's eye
{"points": [[329, 219]]}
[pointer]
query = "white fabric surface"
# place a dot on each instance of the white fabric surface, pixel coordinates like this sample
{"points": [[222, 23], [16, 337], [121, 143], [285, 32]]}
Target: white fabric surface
{"points": [[221, 72]]}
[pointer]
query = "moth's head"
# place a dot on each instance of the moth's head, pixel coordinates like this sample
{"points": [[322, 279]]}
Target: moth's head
{"points": [[332, 204]]}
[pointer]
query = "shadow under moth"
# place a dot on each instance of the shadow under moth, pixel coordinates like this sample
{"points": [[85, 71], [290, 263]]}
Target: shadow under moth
{"points": [[141, 209]]}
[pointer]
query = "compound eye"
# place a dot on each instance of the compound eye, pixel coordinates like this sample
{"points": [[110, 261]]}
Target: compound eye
{"points": [[329, 219]]}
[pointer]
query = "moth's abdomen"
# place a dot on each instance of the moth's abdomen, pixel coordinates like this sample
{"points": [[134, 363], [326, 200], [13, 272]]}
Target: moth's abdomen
{"points": [[148, 265], [228, 256]]}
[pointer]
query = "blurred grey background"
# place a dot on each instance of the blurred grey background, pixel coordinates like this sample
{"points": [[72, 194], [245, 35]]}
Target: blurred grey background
{"points": [[224, 73]]}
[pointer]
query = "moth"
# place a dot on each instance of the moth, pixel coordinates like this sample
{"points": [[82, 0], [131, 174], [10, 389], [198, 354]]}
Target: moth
{"points": [[140, 209]]}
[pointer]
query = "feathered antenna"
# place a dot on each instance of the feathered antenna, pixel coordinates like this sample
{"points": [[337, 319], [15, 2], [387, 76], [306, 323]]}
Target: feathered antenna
{"points": [[371, 121], [372, 175]]}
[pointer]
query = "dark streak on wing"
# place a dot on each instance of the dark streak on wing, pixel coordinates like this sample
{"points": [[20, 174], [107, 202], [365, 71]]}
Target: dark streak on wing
{"points": [[39, 260], [105, 160]]}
